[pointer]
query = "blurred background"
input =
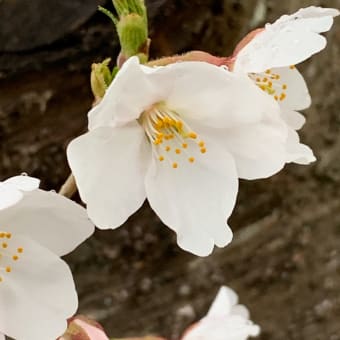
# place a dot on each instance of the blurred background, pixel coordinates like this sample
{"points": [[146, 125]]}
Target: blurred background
{"points": [[285, 259]]}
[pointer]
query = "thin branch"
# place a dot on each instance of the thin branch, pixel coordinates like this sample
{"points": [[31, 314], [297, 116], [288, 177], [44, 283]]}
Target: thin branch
{"points": [[69, 188]]}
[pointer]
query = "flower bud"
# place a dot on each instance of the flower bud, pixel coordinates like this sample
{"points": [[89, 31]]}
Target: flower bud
{"points": [[101, 78], [143, 338], [82, 328], [133, 36], [132, 28]]}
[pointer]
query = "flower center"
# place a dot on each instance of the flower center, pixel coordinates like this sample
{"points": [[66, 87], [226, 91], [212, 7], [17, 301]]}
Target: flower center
{"points": [[271, 83], [8, 254], [171, 138]]}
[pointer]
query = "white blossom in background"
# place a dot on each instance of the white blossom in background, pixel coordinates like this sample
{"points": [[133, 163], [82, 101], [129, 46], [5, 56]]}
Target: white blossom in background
{"points": [[226, 320], [269, 56], [37, 292], [180, 135]]}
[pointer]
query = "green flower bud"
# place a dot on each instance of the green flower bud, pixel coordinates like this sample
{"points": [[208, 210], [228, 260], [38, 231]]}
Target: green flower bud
{"points": [[132, 28], [133, 35], [101, 78]]}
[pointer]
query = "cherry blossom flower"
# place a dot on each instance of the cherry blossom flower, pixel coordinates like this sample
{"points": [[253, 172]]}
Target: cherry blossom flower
{"points": [[37, 292], [226, 320], [180, 135], [269, 56]]}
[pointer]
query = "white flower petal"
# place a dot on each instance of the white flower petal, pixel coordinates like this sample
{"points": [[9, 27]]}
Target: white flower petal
{"points": [[24, 183], [259, 150], [54, 221], [225, 320], [130, 93], [294, 120], [196, 90], [109, 166], [2, 337], [38, 295], [214, 96], [11, 189], [196, 198], [232, 328], [288, 41], [297, 95], [240, 310], [315, 19], [225, 299], [9, 195], [297, 152]]}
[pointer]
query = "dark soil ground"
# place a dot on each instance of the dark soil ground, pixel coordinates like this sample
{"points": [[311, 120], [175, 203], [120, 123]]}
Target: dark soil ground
{"points": [[285, 259]]}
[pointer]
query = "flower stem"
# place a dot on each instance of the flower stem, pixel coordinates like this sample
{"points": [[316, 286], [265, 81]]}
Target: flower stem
{"points": [[69, 188]]}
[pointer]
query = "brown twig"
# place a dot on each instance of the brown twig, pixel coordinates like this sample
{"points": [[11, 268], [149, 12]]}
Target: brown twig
{"points": [[69, 188]]}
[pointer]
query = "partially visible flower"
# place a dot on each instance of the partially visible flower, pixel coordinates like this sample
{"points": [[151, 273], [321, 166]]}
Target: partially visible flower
{"points": [[180, 135], [37, 292], [82, 328], [288, 41], [269, 55], [150, 337], [226, 320]]}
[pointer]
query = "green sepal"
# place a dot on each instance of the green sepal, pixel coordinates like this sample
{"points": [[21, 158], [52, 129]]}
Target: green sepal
{"points": [[132, 34]]}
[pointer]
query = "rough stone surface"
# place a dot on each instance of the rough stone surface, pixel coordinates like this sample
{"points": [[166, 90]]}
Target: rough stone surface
{"points": [[26, 24], [285, 261]]}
